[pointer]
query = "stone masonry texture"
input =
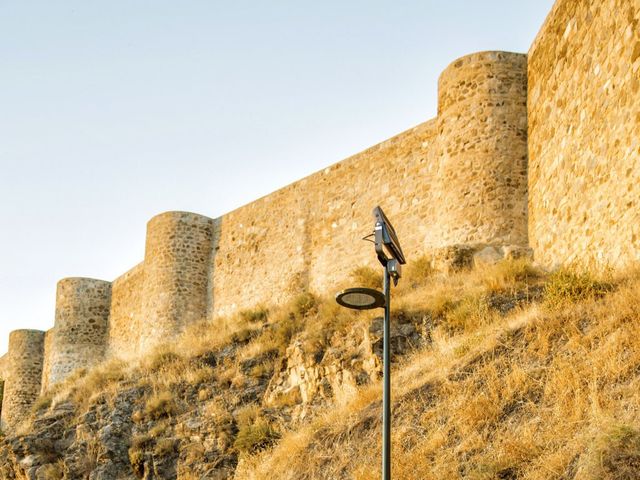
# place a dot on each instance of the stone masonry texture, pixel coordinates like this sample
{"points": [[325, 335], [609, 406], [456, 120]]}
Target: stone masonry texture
{"points": [[176, 275], [460, 178], [78, 339], [539, 150], [584, 135], [481, 182], [125, 320], [24, 375], [4, 365]]}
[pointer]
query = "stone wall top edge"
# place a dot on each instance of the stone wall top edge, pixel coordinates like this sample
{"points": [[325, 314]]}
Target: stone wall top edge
{"points": [[180, 214], [425, 126], [545, 25], [83, 280], [23, 331], [26, 332], [128, 274], [482, 56], [4, 359]]}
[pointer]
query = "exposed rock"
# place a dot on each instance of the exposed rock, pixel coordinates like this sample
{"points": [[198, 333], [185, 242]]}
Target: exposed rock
{"points": [[452, 258], [515, 252], [110, 437], [307, 376], [487, 256]]}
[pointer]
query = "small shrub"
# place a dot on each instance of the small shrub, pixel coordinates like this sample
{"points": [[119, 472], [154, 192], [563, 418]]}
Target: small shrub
{"points": [[161, 405], [166, 447], [470, 312], [256, 315], [199, 375], [288, 399], [618, 455], [418, 272], [367, 277], [247, 414], [278, 335], [243, 335], [330, 319], [160, 358], [52, 471], [159, 430], [137, 458], [510, 274], [137, 455], [305, 304], [263, 369], [137, 416], [141, 442], [42, 403], [256, 436], [569, 286], [216, 411]]}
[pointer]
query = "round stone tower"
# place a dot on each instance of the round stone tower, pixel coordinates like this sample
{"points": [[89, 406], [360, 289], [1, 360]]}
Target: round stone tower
{"points": [[481, 186], [79, 336], [176, 274], [24, 375]]}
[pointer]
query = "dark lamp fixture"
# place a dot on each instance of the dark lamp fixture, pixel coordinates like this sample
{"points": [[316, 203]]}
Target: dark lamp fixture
{"points": [[360, 298], [386, 239]]}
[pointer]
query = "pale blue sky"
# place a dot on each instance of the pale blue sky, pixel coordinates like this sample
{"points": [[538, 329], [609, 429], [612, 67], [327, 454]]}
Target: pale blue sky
{"points": [[114, 111]]}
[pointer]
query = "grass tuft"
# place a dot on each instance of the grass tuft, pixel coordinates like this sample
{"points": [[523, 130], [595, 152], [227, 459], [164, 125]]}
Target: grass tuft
{"points": [[566, 286], [618, 454], [305, 304], [367, 277], [255, 436], [256, 315], [161, 405], [418, 272]]}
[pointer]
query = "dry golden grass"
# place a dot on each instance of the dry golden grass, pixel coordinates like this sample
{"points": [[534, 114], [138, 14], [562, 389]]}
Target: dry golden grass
{"points": [[525, 376], [367, 277], [53, 471], [161, 405], [549, 392]]}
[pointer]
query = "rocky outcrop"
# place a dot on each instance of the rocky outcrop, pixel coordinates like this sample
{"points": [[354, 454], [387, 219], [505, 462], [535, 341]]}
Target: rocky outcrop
{"points": [[117, 435], [454, 258], [61, 445], [333, 375]]}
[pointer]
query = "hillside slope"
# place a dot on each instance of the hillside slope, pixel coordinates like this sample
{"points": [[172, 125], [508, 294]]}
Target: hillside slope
{"points": [[500, 373]]}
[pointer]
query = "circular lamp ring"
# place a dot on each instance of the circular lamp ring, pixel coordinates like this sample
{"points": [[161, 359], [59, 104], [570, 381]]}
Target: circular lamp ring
{"points": [[360, 298]]}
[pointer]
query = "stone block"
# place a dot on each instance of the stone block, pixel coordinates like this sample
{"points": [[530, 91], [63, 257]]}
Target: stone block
{"points": [[516, 252], [452, 258], [487, 256]]}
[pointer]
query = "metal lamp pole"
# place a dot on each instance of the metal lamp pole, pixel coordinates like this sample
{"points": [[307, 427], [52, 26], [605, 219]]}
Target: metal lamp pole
{"points": [[386, 369]]}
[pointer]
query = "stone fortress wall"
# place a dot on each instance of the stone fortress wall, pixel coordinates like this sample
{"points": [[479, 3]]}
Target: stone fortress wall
{"points": [[440, 186], [584, 134], [521, 148]]}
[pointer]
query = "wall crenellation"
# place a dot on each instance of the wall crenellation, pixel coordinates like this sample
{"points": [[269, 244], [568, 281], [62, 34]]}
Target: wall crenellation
{"points": [[539, 150]]}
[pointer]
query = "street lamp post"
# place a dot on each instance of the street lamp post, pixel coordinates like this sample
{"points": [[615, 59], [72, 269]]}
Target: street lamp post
{"points": [[391, 257]]}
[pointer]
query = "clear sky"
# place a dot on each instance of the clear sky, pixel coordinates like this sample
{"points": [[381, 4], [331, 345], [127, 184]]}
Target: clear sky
{"points": [[112, 112]]}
